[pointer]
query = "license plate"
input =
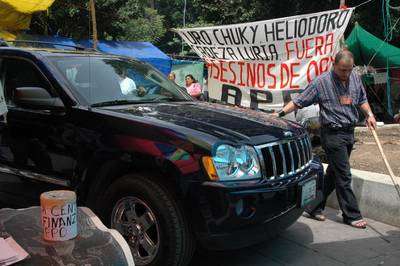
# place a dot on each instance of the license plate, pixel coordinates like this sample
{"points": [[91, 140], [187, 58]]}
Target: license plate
{"points": [[308, 192]]}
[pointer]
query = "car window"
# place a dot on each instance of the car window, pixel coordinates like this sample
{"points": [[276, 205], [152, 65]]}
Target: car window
{"points": [[21, 73], [101, 79]]}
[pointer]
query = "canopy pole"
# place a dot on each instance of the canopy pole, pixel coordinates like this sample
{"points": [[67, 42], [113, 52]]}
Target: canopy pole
{"points": [[184, 22], [388, 89], [93, 13], [341, 41]]}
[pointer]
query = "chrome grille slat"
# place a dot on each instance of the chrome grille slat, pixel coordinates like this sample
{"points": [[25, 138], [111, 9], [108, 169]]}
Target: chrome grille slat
{"points": [[293, 156], [283, 159], [303, 142], [301, 154], [309, 147], [304, 154], [271, 152], [298, 154]]}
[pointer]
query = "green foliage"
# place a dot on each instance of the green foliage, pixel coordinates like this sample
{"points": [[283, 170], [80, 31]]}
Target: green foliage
{"points": [[116, 20], [136, 20], [151, 27]]}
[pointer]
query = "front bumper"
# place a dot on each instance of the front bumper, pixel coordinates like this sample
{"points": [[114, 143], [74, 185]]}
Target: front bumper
{"points": [[230, 217]]}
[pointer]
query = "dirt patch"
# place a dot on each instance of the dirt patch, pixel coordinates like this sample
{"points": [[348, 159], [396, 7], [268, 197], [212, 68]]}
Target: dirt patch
{"points": [[366, 155]]}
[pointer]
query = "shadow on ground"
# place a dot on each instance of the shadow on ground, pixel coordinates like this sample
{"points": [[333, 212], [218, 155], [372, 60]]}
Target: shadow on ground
{"points": [[309, 242]]}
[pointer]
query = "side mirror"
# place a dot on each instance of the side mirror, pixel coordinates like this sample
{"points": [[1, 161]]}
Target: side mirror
{"points": [[36, 97]]}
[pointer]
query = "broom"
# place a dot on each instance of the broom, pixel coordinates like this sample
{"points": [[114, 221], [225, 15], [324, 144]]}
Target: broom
{"points": [[392, 176]]}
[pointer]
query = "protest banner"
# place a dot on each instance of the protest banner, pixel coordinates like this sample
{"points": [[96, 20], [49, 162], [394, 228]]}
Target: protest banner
{"points": [[262, 64]]}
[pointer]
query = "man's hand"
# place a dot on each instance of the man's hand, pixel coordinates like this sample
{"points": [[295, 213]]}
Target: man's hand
{"points": [[275, 114], [141, 91], [397, 118], [371, 122]]}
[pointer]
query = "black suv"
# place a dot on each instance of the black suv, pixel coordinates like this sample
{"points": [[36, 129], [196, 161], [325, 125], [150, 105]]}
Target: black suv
{"points": [[164, 170]]}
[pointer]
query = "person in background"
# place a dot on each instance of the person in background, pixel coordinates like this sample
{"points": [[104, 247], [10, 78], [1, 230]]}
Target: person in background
{"points": [[172, 76], [128, 86], [192, 87], [338, 92], [397, 118], [141, 91]]}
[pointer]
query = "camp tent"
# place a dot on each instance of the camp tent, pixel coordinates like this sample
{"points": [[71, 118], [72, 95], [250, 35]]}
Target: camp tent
{"points": [[369, 50], [364, 45]]}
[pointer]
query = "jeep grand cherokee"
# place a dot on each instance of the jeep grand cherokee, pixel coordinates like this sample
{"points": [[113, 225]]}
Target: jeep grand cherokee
{"points": [[164, 170]]}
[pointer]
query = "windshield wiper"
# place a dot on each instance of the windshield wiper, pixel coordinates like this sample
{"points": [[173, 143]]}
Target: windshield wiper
{"points": [[113, 102], [122, 102], [166, 98]]}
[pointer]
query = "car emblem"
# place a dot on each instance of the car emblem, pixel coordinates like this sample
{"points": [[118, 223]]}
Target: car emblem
{"points": [[288, 134]]}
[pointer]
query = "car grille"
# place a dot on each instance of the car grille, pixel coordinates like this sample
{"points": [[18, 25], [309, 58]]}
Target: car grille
{"points": [[283, 158]]}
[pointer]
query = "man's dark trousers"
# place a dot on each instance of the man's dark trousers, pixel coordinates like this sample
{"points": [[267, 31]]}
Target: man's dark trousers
{"points": [[338, 144]]}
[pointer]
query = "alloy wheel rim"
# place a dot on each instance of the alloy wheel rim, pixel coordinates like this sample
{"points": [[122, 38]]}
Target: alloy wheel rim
{"points": [[136, 222]]}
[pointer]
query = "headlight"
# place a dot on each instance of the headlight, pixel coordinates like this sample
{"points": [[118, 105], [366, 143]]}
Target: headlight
{"points": [[233, 163]]}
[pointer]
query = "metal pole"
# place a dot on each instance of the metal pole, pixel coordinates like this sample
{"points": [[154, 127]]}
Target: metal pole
{"points": [[341, 41], [184, 20], [93, 13]]}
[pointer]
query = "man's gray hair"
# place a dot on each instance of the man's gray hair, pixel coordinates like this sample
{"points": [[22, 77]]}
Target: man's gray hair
{"points": [[344, 55]]}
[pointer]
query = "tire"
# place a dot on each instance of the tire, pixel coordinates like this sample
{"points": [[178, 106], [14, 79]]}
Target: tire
{"points": [[168, 228]]}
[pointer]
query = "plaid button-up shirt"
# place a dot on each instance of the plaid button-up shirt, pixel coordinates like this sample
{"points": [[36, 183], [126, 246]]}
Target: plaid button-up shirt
{"points": [[326, 90]]}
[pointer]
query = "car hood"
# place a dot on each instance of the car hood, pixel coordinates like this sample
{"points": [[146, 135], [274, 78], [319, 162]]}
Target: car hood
{"points": [[221, 121]]}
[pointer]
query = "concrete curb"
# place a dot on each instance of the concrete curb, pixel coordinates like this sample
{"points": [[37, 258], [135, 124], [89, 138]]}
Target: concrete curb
{"points": [[376, 196], [386, 126]]}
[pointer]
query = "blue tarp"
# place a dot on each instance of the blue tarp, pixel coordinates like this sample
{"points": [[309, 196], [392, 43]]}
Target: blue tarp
{"points": [[144, 51]]}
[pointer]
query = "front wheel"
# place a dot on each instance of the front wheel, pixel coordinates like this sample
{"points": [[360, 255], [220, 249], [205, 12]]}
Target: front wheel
{"points": [[135, 220], [151, 221]]}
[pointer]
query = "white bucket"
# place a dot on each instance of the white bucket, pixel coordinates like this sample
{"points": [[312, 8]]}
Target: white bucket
{"points": [[59, 215]]}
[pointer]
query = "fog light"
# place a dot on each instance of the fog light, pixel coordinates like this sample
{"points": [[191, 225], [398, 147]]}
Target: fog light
{"points": [[239, 207], [244, 208]]}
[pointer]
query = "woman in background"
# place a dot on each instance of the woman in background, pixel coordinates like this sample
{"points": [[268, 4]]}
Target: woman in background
{"points": [[172, 76], [192, 86]]}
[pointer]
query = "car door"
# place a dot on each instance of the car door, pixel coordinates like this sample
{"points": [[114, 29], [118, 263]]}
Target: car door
{"points": [[35, 142]]}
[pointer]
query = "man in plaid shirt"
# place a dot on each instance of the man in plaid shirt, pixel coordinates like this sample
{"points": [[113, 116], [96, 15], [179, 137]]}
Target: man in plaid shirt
{"points": [[338, 92]]}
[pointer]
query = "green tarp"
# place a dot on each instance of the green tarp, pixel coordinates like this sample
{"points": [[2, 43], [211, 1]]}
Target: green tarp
{"points": [[364, 45], [370, 50], [181, 68]]}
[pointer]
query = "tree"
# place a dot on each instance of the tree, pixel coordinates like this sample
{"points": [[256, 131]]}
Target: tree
{"points": [[152, 20], [116, 20]]}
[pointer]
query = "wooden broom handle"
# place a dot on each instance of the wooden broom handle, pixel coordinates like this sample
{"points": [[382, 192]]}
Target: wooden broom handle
{"points": [[392, 176]]}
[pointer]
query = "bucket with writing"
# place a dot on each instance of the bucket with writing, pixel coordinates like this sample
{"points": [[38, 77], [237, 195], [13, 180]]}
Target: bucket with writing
{"points": [[59, 215]]}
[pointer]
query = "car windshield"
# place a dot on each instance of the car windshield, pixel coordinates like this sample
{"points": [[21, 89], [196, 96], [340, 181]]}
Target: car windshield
{"points": [[103, 81]]}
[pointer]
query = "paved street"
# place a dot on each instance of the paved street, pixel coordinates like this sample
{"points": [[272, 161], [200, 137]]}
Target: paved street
{"points": [[310, 242]]}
